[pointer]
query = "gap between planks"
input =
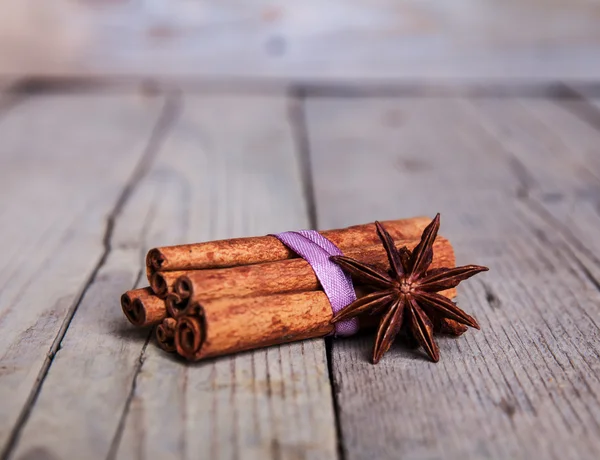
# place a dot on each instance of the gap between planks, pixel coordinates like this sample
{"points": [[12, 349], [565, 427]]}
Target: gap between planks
{"points": [[298, 122], [308, 88]]}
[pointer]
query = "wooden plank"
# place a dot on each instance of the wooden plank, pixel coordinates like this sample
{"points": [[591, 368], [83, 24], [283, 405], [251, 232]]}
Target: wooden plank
{"points": [[526, 385], [86, 388], [62, 167], [228, 168], [385, 40]]}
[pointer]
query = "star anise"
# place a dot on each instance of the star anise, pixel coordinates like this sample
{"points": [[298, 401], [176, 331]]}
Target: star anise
{"points": [[408, 292]]}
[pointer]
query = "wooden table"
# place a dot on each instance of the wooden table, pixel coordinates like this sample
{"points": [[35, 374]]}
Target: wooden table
{"points": [[93, 177]]}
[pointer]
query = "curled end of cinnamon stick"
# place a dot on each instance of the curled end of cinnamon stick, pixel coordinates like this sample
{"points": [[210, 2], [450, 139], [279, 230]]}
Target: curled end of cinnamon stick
{"points": [[176, 305], [189, 336], [178, 300], [165, 334], [183, 287], [159, 285], [134, 310], [155, 259]]}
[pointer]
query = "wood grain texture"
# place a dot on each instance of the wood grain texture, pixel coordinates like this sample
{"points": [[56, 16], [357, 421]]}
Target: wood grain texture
{"points": [[553, 150], [526, 385], [59, 185], [458, 39], [228, 168], [89, 383]]}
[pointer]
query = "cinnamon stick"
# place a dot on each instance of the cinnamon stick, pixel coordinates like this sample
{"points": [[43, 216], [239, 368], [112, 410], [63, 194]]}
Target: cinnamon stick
{"points": [[165, 334], [245, 251], [293, 275], [230, 325], [142, 307], [162, 282]]}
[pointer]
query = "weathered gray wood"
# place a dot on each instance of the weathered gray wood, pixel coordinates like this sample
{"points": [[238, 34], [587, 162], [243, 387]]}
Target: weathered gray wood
{"points": [[526, 385], [83, 395], [553, 148], [228, 168], [458, 39], [62, 167]]}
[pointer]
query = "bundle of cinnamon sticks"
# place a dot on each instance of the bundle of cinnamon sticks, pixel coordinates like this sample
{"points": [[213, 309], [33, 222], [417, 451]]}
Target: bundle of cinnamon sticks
{"points": [[219, 297]]}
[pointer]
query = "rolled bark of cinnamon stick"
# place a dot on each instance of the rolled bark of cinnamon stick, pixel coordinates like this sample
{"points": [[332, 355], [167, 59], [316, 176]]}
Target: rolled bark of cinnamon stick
{"points": [[246, 251], [230, 325], [293, 275], [162, 282], [165, 334], [142, 307]]}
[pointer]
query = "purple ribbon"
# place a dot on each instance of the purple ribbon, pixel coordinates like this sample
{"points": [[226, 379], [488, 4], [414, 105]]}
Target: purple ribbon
{"points": [[316, 250]]}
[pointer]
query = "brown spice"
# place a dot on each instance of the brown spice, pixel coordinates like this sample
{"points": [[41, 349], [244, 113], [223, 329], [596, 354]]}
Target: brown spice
{"points": [[409, 293], [165, 334], [293, 275], [142, 307], [162, 282], [246, 251], [230, 325]]}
